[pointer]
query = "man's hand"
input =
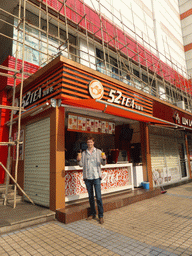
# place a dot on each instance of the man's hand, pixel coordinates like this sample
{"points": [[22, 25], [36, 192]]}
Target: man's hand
{"points": [[79, 155], [103, 156]]}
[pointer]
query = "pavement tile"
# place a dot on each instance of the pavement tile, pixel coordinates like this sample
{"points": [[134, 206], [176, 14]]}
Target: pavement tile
{"points": [[157, 226]]}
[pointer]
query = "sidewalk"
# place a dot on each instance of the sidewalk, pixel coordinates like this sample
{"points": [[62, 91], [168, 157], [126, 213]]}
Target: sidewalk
{"points": [[161, 225]]}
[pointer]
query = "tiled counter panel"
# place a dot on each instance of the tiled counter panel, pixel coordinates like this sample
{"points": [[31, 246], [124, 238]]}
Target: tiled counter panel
{"points": [[115, 177]]}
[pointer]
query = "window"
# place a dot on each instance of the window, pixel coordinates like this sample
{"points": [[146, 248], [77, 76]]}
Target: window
{"points": [[87, 54], [39, 48]]}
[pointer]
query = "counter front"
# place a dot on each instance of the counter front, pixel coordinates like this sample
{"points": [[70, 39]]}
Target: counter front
{"points": [[115, 177]]}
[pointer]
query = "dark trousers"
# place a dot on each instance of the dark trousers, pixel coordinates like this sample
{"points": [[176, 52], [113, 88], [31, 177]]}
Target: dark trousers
{"points": [[96, 184]]}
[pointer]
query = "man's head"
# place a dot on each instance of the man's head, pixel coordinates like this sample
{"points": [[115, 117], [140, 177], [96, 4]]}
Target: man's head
{"points": [[90, 142]]}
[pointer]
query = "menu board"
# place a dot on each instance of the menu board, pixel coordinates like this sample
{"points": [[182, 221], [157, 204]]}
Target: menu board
{"points": [[90, 125], [98, 126], [81, 123], [72, 122], [86, 124], [111, 128]]}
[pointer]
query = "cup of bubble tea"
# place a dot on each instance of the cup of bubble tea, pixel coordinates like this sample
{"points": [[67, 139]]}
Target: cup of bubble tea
{"points": [[102, 154], [79, 155]]}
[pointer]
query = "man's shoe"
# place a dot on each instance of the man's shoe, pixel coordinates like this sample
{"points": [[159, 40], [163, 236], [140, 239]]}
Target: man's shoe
{"points": [[101, 220], [91, 217]]}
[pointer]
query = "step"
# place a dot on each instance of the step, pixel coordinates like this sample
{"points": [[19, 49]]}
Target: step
{"points": [[23, 216], [3, 188], [77, 211], [10, 200]]}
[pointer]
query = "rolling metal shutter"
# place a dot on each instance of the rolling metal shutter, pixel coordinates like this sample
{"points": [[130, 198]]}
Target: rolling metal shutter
{"points": [[165, 159], [37, 162]]}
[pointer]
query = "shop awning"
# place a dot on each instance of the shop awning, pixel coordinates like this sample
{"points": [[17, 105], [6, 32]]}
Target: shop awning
{"points": [[115, 110]]}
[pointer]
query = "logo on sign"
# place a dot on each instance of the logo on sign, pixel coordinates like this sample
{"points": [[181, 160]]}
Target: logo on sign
{"points": [[96, 89]]}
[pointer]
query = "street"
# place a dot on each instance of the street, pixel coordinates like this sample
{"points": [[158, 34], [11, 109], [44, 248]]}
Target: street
{"points": [[161, 225]]}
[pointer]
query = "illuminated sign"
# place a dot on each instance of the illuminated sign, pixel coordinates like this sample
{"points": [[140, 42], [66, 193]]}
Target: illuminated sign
{"points": [[96, 89], [118, 98], [182, 120], [32, 97]]}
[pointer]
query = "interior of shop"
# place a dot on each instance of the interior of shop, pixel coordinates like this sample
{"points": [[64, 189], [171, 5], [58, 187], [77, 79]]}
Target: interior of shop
{"points": [[121, 145]]}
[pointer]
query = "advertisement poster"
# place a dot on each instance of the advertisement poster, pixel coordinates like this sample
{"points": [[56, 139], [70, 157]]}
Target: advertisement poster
{"points": [[72, 122], [81, 123], [90, 125], [98, 126], [105, 127], [111, 128], [86, 124], [158, 176], [165, 175]]}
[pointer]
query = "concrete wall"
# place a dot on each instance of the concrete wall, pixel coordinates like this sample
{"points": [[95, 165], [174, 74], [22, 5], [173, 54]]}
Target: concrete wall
{"points": [[185, 7]]}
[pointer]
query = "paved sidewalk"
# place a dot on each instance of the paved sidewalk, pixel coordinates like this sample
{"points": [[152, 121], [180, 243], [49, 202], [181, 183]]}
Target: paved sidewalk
{"points": [[158, 226]]}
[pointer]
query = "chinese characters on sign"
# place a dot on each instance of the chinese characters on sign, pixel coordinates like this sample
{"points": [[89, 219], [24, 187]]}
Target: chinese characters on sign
{"points": [[32, 97], [85, 124]]}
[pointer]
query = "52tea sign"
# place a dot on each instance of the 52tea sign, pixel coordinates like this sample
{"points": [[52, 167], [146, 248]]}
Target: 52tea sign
{"points": [[31, 97], [118, 98]]}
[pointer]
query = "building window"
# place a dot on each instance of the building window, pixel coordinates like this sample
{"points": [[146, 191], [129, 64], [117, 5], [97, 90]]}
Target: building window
{"points": [[40, 48]]}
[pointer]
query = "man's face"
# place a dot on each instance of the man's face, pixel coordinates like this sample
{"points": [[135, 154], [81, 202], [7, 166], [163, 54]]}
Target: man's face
{"points": [[90, 144]]}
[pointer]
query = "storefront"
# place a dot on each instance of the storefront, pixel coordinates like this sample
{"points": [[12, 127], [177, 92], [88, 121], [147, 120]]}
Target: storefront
{"points": [[65, 102]]}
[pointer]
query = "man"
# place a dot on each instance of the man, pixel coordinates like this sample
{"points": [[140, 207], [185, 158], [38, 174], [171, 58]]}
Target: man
{"points": [[91, 161]]}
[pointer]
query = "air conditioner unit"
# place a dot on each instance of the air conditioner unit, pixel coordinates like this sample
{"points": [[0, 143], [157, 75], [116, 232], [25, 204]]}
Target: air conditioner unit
{"points": [[180, 104]]}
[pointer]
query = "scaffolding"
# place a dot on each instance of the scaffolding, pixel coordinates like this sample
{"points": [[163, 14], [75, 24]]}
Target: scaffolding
{"points": [[44, 29]]}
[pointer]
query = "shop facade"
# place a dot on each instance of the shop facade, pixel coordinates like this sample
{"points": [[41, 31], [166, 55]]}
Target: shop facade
{"points": [[144, 139]]}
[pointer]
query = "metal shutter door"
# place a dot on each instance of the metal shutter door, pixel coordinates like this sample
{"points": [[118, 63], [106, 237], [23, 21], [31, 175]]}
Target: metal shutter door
{"points": [[164, 160], [37, 162]]}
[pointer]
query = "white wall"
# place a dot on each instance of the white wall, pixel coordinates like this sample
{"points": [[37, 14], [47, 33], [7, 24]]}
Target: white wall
{"points": [[155, 21], [186, 24]]}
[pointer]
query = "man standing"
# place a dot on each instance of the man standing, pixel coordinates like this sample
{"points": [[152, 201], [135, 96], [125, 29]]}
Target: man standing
{"points": [[91, 161]]}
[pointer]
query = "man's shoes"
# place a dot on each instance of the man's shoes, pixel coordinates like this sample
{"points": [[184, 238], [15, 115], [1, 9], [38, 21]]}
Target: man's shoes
{"points": [[101, 220], [91, 217]]}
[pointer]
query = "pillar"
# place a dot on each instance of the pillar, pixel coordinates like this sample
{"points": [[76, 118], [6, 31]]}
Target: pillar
{"points": [[57, 158]]}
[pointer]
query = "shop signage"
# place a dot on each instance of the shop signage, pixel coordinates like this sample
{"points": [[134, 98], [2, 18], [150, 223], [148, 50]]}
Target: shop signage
{"points": [[33, 96], [187, 122], [182, 120], [96, 91], [118, 98]]}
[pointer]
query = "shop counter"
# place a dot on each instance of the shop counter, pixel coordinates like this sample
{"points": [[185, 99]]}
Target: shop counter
{"points": [[115, 177]]}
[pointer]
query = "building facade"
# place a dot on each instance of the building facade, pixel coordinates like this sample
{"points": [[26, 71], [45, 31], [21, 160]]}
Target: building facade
{"points": [[185, 8], [96, 72]]}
